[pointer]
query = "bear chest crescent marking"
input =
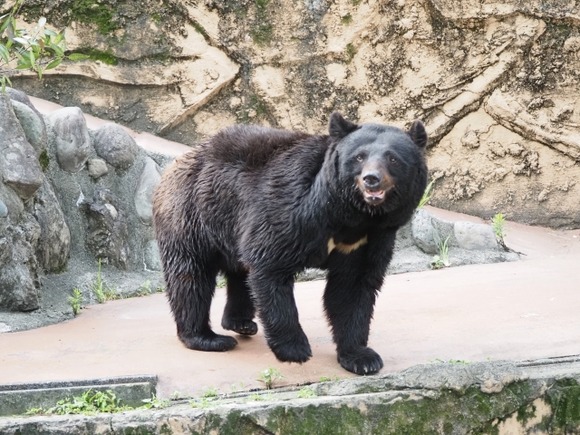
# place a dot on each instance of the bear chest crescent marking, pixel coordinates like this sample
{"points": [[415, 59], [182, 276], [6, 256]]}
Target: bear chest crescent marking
{"points": [[345, 248]]}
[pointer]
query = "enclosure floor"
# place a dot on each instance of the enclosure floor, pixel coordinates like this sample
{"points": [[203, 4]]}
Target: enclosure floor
{"points": [[521, 310]]}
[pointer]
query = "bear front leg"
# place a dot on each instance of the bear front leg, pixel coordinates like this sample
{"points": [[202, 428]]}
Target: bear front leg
{"points": [[274, 297], [239, 311], [349, 306], [354, 280]]}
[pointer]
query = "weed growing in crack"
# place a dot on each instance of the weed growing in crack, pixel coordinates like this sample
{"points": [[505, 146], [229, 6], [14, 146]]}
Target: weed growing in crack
{"points": [[269, 376], [498, 225], [75, 301], [441, 260]]}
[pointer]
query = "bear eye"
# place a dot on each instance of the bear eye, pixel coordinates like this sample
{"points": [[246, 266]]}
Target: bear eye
{"points": [[360, 158], [393, 160]]}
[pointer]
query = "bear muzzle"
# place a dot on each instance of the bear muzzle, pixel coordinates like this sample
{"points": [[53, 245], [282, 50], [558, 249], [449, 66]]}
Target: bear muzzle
{"points": [[374, 186]]}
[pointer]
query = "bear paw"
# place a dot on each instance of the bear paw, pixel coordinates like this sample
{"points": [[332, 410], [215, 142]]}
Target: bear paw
{"points": [[361, 361], [209, 343], [293, 350], [241, 326]]}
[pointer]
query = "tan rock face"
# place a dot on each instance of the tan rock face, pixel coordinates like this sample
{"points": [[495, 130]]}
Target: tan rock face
{"points": [[497, 83]]}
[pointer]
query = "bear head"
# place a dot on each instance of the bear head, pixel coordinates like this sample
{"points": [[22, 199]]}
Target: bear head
{"points": [[382, 167]]}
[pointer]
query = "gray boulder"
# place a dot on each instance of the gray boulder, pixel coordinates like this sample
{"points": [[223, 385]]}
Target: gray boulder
{"points": [[148, 180], [32, 124], [70, 138], [114, 145], [19, 167]]}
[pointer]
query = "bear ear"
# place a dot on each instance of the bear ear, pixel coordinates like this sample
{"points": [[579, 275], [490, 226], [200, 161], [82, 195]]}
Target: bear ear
{"points": [[340, 127], [418, 134]]}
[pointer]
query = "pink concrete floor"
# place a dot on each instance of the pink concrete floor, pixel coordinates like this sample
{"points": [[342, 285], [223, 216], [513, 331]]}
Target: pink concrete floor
{"points": [[521, 310]]}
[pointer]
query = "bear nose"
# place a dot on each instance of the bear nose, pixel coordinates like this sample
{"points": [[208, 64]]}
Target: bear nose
{"points": [[371, 180]]}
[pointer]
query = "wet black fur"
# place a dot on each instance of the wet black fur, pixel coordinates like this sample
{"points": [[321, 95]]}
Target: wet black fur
{"points": [[261, 204]]}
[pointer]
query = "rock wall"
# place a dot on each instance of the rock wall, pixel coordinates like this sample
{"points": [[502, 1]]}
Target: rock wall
{"points": [[496, 82], [69, 199]]}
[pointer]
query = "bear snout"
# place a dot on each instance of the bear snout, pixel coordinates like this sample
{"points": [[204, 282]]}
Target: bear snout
{"points": [[374, 186]]}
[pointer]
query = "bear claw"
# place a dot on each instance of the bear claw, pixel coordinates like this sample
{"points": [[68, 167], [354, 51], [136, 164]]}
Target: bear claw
{"points": [[242, 327], [363, 361]]}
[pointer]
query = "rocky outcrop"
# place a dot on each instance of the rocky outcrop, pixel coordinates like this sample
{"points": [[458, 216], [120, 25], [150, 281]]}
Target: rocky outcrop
{"points": [[63, 209], [496, 82]]}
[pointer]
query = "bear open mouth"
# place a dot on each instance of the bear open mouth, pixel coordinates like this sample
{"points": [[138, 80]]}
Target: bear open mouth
{"points": [[374, 197]]}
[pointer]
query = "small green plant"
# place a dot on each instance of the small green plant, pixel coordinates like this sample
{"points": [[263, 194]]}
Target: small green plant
{"points": [[101, 290], [210, 393], [256, 397], [346, 19], [426, 195], [350, 52], [306, 393], [498, 225], [328, 378], [44, 160], [441, 260], [202, 402], [155, 403], [269, 376], [75, 301]]}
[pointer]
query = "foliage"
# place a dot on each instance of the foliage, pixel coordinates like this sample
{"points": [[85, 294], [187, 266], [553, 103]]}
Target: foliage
{"points": [[39, 49], [101, 290], [426, 195], [95, 12], [306, 393], [498, 225], [155, 403], [76, 301], [350, 52], [90, 402], [210, 393], [441, 260], [269, 376]]}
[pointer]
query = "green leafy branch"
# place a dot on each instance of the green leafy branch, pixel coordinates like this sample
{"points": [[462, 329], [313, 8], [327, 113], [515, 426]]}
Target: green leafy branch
{"points": [[37, 49]]}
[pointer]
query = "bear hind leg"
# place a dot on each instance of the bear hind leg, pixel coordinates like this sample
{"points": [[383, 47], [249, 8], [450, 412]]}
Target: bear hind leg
{"points": [[190, 292], [239, 311]]}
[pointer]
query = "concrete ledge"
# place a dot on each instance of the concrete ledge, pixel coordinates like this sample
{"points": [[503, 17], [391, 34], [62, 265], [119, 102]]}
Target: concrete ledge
{"points": [[17, 399], [443, 398]]}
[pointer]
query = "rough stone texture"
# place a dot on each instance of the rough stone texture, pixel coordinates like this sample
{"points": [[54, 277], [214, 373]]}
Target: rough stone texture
{"points": [[33, 125], [113, 144], [19, 167], [496, 82], [58, 221], [474, 236], [107, 232], [70, 138], [19, 290], [446, 398], [97, 168], [149, 179], [54, 244]]}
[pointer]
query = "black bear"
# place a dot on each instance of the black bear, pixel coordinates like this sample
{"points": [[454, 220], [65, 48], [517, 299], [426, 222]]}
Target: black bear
{"points": [[261, 204]]}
